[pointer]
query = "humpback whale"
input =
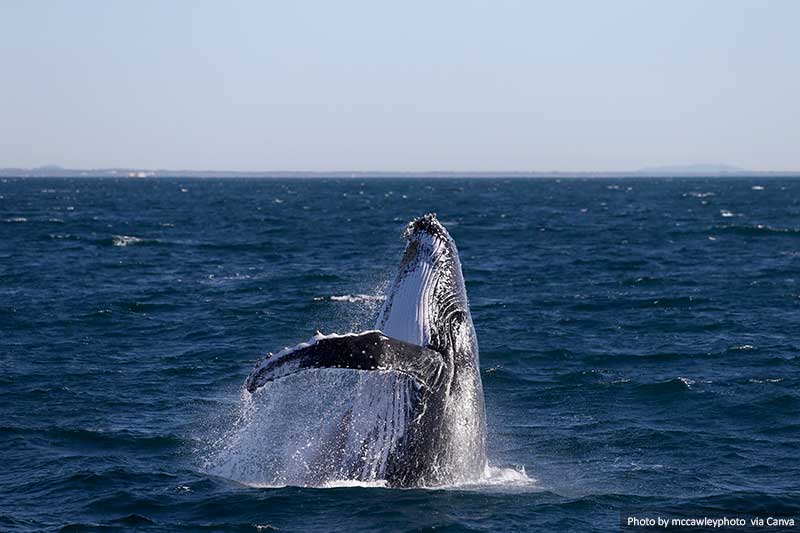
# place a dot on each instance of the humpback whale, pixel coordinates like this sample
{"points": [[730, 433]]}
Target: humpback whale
{"points": [[425, 422]]}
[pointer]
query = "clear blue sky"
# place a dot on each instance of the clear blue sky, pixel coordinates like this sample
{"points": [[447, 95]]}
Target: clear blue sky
{"points": [[412, 85]]}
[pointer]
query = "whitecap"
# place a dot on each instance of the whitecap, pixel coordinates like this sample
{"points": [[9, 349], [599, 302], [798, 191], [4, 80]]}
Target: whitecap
{"points": [[757, 187], [125, 240], [220, 278], [743, 347], [726, 214], [16, 219]]}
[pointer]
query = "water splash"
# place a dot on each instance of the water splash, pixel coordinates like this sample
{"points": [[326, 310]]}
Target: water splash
{"points": [[352, 298], [306, 429], [301, 431]]}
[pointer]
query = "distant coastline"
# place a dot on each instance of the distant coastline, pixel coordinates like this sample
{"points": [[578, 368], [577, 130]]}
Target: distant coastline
{"points": [[53, 171]]}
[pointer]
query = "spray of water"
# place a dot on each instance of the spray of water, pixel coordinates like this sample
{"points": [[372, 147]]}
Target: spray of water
{"points": [[307, 429]]}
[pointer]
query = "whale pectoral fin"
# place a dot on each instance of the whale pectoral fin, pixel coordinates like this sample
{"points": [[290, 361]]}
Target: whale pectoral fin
{"points": [[367, 351]]}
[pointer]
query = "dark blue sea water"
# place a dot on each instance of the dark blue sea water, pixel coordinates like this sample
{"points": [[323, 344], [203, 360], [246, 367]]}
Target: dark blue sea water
{"points": [[640, 345]]}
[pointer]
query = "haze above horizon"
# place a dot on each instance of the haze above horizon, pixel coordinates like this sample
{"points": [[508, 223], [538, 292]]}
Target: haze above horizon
{"points": [[477, 86]]}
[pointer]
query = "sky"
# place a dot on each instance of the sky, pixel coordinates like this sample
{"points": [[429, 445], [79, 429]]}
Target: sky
{"points": [[400, 86]]}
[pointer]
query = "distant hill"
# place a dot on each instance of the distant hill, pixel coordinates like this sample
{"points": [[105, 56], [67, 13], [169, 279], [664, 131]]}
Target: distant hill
{"points": [[694, 170]]}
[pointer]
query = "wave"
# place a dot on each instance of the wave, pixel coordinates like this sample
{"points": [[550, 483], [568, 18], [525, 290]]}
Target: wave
{"points": [[145, 307], [748, 502], [645, 280], [125, 240], [97, 439], [251, 247], [493, 478], [604, 378], [64, 237], [765, 380], [758, 230], [666, 388], [218, 278], [658, 302], [352, 298], [667, 357], [133, 520], [742, 347]]}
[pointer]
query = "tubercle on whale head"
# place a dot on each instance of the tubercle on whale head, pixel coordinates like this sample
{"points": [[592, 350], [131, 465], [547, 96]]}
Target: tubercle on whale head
{"points": [[429, 225], [427, 237]]}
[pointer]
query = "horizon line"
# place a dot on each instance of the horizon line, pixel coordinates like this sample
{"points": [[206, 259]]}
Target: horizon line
{"points": [[698, 170]]}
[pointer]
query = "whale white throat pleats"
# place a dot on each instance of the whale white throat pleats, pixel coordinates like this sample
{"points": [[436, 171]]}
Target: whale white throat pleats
{"points": [[408, 312], [385, 406]]}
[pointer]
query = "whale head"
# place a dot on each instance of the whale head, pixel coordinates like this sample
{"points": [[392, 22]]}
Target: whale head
{"points": [[427, 302]]}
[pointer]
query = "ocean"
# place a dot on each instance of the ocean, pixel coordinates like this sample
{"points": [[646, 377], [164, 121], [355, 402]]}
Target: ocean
{"points": [[640, 346]]}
